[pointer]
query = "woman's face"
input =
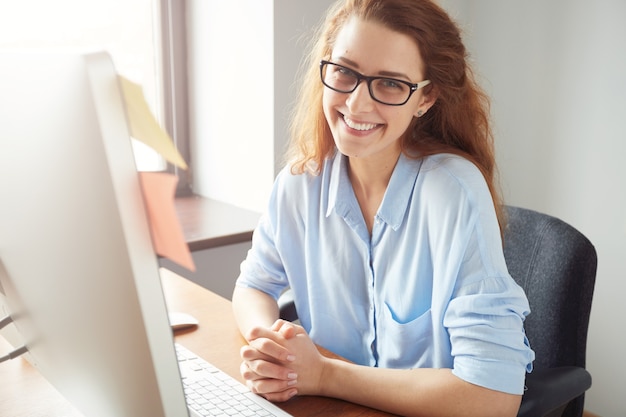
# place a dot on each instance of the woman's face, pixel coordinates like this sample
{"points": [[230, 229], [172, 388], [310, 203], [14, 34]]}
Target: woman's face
{"points": [[361, 126]]}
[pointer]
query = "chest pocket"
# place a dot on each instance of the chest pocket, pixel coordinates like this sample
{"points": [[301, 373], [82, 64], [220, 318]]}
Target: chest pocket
{"points": [[405, 344]]}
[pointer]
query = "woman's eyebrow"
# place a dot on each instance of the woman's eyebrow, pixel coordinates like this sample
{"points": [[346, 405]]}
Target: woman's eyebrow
{"points": [[348, 62], [392, 74]]}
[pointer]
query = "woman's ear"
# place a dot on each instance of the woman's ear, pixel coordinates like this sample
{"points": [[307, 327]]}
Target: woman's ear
{"points": [[426, 102]]}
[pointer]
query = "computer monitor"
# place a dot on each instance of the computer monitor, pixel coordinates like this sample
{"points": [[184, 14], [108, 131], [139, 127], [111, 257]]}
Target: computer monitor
{"points": [[78, 273]]}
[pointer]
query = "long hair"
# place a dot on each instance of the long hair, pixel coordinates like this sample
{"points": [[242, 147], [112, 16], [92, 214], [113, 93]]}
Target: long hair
{"points": [[457, 123]]}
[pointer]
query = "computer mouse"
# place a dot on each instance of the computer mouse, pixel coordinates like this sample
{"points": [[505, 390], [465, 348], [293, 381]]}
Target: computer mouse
{"points": [[179, 320]]}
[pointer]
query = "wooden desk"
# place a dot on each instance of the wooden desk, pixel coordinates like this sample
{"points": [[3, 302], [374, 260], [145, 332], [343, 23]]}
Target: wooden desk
{"points": [[25, 393]]}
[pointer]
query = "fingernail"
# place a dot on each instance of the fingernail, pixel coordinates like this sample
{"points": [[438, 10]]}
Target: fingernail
{"points": [[292, 375], [291, 358], [292, 382]]}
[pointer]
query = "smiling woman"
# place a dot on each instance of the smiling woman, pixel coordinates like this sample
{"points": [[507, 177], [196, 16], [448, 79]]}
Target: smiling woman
{"points": [[124, 28], [385, 227]]}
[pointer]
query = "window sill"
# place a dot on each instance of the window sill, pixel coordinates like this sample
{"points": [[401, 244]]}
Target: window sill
{"points": [[209, 223]]}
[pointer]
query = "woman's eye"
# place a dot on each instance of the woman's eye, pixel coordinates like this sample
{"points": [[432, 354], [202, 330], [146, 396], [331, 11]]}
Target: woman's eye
{"points": [[391, 84], [346, 72]]}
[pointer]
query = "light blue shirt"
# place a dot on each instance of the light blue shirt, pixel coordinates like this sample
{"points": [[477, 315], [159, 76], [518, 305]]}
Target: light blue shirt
{"points": [[429, 288]]}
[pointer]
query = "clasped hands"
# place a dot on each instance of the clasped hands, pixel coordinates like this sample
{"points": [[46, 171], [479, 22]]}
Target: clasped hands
{"points": [[281, 361]]}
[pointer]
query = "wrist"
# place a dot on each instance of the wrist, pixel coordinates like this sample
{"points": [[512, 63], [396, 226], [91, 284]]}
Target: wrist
{"points": [[328, 376]]}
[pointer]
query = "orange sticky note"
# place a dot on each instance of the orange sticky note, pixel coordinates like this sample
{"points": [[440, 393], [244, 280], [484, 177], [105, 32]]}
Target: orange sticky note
{"points": [[168, 239]]}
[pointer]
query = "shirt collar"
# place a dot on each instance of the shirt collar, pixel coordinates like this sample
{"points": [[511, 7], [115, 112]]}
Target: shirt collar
{"points": [[340, 191], [396, 199], [399, 191]]}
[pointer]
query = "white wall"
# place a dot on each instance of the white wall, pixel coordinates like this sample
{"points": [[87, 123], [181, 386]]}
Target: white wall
{"points": [[243, 58], [556, 71], [231, 96], [294, 23]]}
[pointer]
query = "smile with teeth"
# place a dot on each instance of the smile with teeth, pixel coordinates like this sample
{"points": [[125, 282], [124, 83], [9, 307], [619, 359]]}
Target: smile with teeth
{"points": [[359, 126]]}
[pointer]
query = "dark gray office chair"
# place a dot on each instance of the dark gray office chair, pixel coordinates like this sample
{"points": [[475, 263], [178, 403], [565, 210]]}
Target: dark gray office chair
{"points": [[556, 266]]}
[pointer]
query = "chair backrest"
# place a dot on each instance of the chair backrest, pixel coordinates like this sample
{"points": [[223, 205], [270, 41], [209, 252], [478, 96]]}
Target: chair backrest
{"points": [[556, 265]]}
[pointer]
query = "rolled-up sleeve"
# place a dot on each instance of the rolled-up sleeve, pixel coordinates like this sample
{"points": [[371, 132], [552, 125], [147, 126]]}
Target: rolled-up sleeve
{"points": [[485, 312], [489, 346]]}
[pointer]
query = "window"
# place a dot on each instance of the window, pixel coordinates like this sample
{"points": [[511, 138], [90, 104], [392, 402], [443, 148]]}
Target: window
{"points": [[127, 29]]}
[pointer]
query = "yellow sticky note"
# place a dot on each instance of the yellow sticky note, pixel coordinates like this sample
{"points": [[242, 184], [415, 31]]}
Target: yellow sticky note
{"points": [[143, 125]]}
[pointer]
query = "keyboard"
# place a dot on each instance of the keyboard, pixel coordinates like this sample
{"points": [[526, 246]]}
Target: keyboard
{"points": [[212, 392]]}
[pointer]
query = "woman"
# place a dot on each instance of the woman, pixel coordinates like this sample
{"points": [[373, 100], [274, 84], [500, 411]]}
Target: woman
{"points": [[386, 225]]}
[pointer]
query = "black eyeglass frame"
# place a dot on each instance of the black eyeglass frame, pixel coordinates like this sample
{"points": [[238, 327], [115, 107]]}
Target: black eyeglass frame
{"points": [[360, 77]]}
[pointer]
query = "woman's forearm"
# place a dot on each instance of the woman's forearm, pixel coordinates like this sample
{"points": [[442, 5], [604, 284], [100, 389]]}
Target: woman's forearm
{"points": [[253, 308], [416, 392]]}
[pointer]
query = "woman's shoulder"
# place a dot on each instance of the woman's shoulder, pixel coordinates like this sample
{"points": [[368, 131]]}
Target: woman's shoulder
{"points": [[453, 168], [297, 185], [450, 178], [295, 177], [449, 164]]}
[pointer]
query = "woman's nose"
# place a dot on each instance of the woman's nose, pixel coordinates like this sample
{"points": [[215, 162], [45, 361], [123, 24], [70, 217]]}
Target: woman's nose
{"points": [[360, 99]]}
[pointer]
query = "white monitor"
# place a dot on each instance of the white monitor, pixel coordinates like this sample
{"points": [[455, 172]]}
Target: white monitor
{"points": [[78, 272]]}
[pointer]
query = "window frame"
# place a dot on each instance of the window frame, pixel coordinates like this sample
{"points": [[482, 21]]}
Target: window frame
{"points": [[173, 67]]}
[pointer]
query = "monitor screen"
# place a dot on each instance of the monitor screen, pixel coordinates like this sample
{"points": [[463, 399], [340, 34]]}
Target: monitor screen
{"points": [[78, 273]]}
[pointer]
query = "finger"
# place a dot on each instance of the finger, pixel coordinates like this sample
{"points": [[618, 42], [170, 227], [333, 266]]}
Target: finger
{"points": [[283, 396], [273, 390], [273, 349], [247, 373], [274, 331], [278, 324], [283, 327], [262, 369], [287, 329], [256, 365], [251, 353], [262, 332], [253, 372]]}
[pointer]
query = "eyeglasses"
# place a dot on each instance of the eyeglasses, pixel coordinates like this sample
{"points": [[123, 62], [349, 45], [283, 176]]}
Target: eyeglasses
{"points": [[384, 90]]}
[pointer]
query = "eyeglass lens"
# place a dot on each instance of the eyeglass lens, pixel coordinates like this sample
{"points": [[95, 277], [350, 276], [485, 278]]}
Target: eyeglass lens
{"points": [[345, 80]]}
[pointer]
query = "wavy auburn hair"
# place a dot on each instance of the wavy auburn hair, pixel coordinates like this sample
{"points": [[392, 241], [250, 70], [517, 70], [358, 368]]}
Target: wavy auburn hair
{"points": [[457, 123]]}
